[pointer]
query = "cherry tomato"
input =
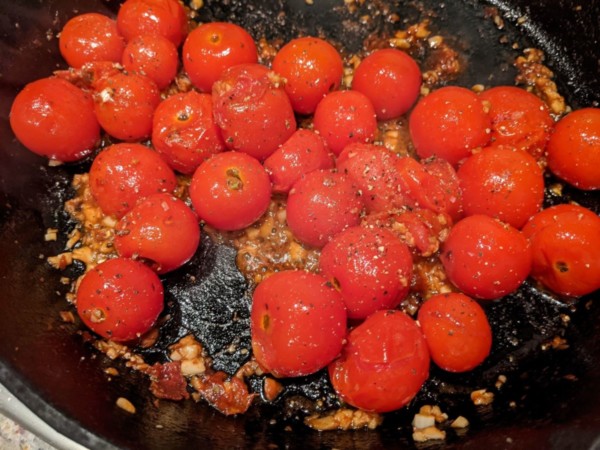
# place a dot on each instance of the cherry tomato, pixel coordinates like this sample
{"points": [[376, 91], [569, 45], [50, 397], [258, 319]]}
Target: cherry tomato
{"points": [[391, 79], [90, 37], [89, 75], [123, 174], [153, 56], [298, 323], [302, 153], [213, 47], [312, 67], [160, 229], [321, 204], [503, 183], [574, 149], [230, 191], [371, 268], [184, 131], [343, 117], [252, 110], [550, 215], [485, 258], [449, 123], [166, 18], [457, 331], [384, 363], [53, 118]]}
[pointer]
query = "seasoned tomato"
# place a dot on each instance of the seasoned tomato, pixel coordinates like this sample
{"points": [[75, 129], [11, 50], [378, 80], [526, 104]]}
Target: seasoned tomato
{"points": [[166, 18], [153, 56]]}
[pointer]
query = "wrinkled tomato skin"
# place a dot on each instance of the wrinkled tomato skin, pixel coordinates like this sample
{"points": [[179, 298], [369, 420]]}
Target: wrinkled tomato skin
{"points": [[457, 331], [166, 18], [370, 267], [384, 363], [120, 299], [160, 229], [298, 323], [153, 56], [553, 214]]}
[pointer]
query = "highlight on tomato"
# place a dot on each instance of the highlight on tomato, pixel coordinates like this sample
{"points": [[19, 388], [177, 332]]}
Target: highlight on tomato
{"points": [[165, 18]]}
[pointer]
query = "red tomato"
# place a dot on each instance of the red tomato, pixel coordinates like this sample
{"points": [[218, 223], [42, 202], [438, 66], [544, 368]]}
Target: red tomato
{"points": [[230, 191], [166, 18], [321, 204], [457, 331], [298, 323], [123, 174], [502, 182], [53, 118], [90, 37], [449, 123], [302, 153], [519, 119], [120, 299], [343, 117], [184, 131], [552, 214], [89, 75], [384, 363], [485, 258], [392, 81], [124, 105], [213, 47], [311, 67], [153, 56], [371, 268], [161, 229], [253, 112], [574, 149]]}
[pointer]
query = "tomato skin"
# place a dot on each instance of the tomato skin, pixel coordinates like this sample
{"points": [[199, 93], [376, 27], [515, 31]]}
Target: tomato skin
{"points": [[166, 18], [384, 363], [573, 152], [120, 299], [184, 131], [160, 228], [553, 214], [298, 323], [344, 117], [230, 191], [457, 331], [312, 67], [153, 56], [213, 47], [122, 174], [53, 118], [485, 258], [449, 123], [370, 267], [391, 79]]}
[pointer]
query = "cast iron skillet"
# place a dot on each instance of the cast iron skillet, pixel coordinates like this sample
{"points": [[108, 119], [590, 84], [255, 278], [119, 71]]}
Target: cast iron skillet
{"points": [[45, 364]]}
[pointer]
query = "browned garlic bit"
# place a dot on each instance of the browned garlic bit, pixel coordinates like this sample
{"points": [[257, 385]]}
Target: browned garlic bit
{"points": [[125, 405], [482, 397], [424, 424], [344, 419]]}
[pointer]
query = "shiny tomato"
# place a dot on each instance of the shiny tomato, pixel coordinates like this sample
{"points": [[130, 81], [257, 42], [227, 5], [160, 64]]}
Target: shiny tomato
{"points": [[166, 18], [384, 363], [89, 75], [120, 299], [161, 229], [457, 331], [485, 258], [552, 214], [391, 79], [312, 67], [123, 174], [153, 56], [298, 323], [54, 118], [213, 47], [230, 191], [184, 131]]}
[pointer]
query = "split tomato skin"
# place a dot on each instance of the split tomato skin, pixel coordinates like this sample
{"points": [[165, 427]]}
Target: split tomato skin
{"points": [[166, 18]]}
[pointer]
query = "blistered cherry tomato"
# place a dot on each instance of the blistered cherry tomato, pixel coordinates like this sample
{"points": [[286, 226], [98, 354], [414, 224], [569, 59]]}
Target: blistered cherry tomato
{"points": [[574, 149], [89, 75], [213, 47], [343, 117], [449, 123], [166, 18], [298, 323], [120, 299], [153, 56], [391, 79], [485, 258], [230, 191], [184, 131], [53, 118], [312, 67], [552, 214], [161, 229], [384, 363], [457, 331], [123, 174]]}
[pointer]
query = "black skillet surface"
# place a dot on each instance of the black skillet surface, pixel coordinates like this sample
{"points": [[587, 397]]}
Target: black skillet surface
{"points": [[550, 399]]}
